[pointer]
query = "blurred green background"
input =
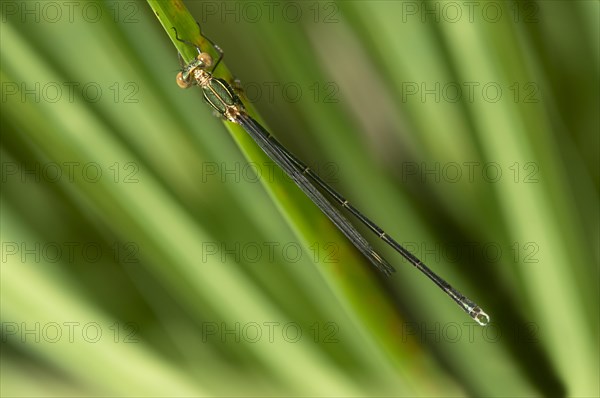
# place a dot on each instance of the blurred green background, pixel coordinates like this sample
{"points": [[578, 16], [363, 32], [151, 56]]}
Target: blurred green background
{"points": [[147, 250]]}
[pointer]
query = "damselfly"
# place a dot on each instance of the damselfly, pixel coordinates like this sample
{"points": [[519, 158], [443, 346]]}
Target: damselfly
{"points": [[223, 99]]}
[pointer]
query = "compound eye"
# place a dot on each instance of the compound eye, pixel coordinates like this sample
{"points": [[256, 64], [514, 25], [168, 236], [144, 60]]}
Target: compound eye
{"points": [[181, 82], [205, 58]]}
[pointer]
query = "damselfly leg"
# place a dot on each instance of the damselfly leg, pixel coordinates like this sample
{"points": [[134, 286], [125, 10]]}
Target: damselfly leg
{"points": [[212, 43]]}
